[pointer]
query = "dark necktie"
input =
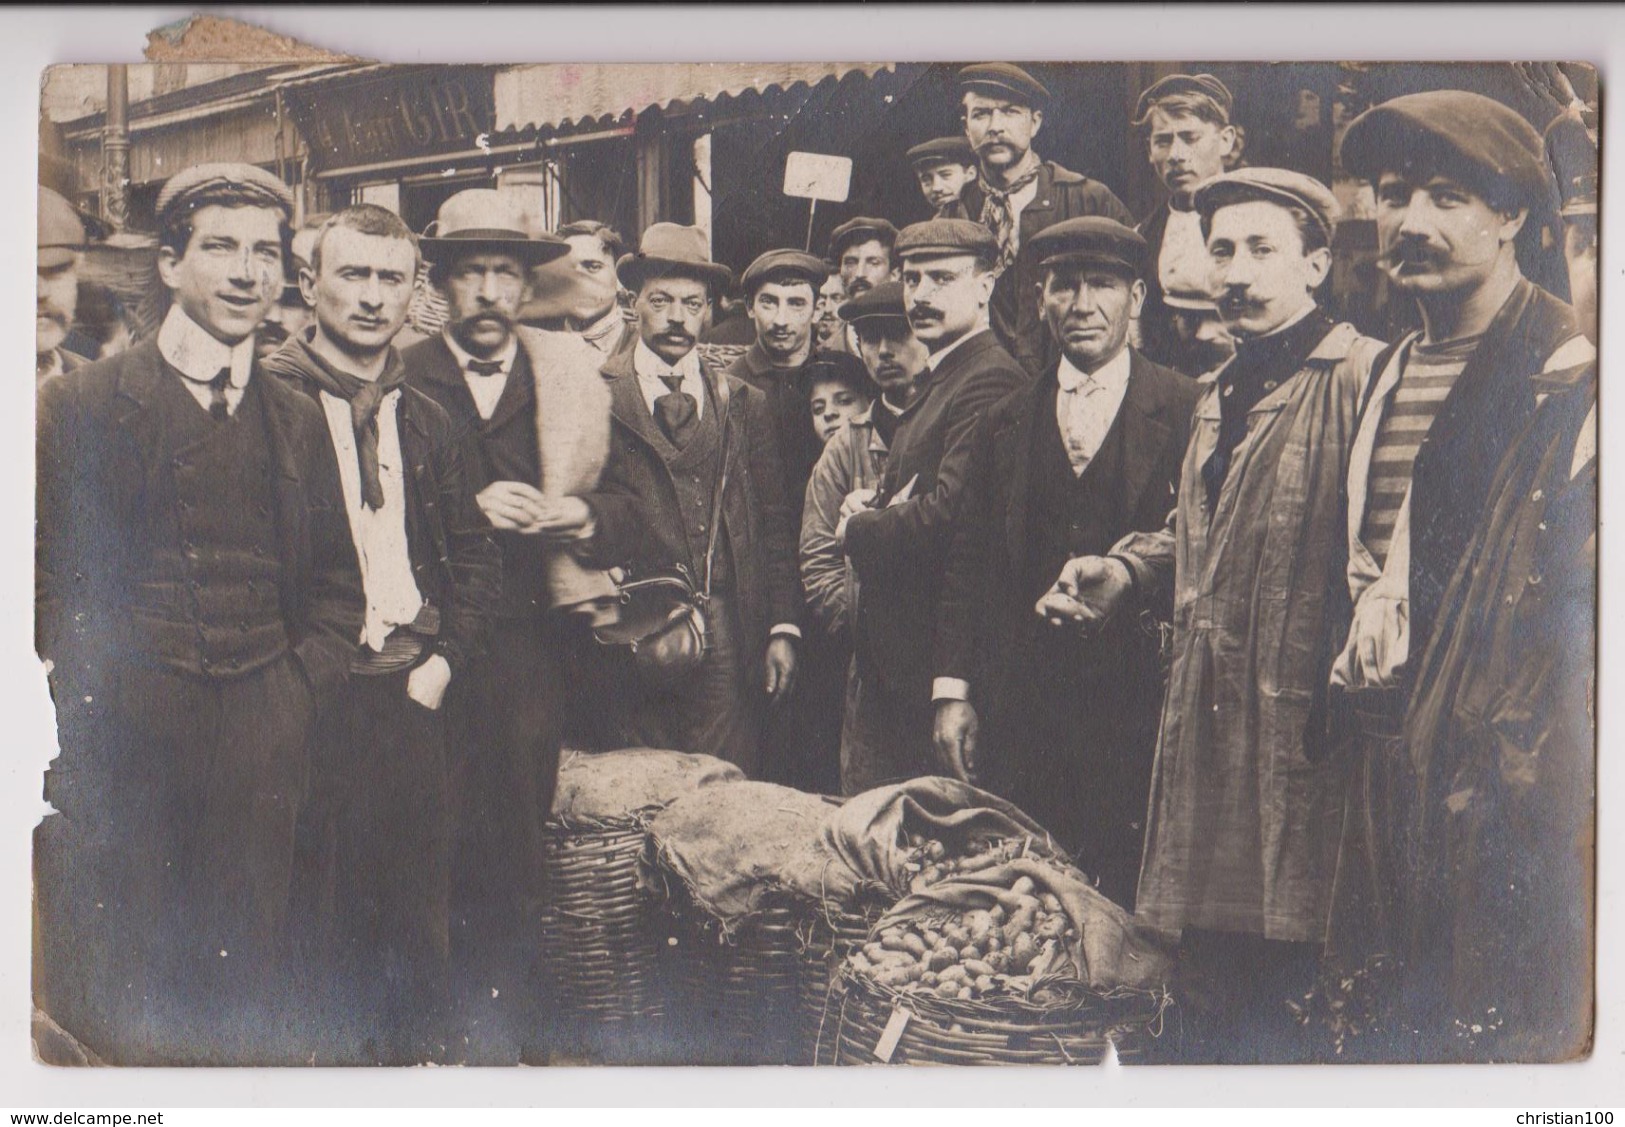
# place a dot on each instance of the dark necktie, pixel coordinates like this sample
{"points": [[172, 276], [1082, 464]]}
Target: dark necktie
{"points": [[485, 367], [676, 411], [217, 394]]}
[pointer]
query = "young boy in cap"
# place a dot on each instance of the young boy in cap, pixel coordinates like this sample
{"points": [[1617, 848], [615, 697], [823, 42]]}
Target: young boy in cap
{"points": [[946, 170], [1002, 107], [1065, 469], [674, 418], [199, 601], [1460, 181], [898, 536], [1185, 120], [1246, 794]]}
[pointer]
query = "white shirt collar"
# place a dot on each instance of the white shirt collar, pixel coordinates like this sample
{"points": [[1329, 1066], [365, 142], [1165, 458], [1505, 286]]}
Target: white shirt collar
{"points": [[936, 358], [1111, 374], [648, 365], [463, 356], [196, 354]]}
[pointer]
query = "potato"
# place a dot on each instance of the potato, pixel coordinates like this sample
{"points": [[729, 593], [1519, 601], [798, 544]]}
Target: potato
{"points": [[1022, 951], [913, 944], [978, 968], [892, 941], [994, 942], [948, 990], [1023, 886], [997, 914], [964, 993], [942, 957], [932, 937], [999, 961], [1051, 902], [956, 934], [929, 979], [874, 952], [970, 951], [955, 973], [984, 984]]}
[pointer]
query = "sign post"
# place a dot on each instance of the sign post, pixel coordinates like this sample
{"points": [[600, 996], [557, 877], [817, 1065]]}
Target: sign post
{"points": [[814, 177]]}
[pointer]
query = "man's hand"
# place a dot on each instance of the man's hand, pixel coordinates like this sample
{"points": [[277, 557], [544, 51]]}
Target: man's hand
{"points": [[781, 667], [427, 683], [563, 519], [1097, 585], [857, 501], [513, 506], [955, 738]]}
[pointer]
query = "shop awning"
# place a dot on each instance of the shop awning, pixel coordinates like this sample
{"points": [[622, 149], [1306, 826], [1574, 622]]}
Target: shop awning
{"points": [[549, 96]]}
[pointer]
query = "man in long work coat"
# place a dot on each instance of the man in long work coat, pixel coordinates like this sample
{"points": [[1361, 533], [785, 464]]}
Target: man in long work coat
{"points": [[1241, 838], [1066, 468], [653, 510], [199, 600]]}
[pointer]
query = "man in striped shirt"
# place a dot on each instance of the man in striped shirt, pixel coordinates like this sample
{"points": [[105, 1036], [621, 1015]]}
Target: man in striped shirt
{"points": [[1463, 193]]}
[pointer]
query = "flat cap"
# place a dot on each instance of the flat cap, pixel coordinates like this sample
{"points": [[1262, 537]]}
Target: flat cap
{"points": [[1276, 185], [942, 150], [860, 230], [61, 231], [799, 264], [1202, 84], [251, 182], [885, 300], [1005, 80], [838, 367], [1094, 240], [936, 238], [1485, 143]]}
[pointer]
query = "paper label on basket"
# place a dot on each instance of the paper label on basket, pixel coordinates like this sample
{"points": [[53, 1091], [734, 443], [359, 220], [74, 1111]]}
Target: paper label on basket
{"points": [[889, 1036]]}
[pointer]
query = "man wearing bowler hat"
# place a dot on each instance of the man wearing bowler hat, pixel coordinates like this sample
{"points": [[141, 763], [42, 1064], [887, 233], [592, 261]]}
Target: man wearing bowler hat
{"points": [[61, 246], [1463, 191], [199, 601], [1002, 107], [532, 410], [1063, 469], [946, 170], [898, 536], [687, 442]]}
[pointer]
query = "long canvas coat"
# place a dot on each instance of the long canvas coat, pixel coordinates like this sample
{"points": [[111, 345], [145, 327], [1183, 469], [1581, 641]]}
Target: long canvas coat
{"points": [[1246, 801]]}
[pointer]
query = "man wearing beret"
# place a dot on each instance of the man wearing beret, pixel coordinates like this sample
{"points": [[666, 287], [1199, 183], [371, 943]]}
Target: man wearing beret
{"points": [[689, 444], [1460, 179], [1002, 107], [61, 236], [1246, 798], [1185, 120], [199, 596], [898, 537], [946, 170], [1065, 469]]}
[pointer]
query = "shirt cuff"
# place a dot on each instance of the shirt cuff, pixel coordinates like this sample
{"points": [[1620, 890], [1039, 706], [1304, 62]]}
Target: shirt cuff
{"points": [[950, 688], [785, 630]]}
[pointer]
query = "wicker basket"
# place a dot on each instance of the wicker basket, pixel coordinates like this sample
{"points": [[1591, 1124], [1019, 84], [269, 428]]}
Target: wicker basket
{"points": [[835, 932], [988, 1031]]}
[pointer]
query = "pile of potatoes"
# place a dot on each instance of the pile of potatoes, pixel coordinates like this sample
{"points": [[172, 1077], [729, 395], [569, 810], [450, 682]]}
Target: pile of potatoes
{"points": [[1005, 949], [930, 861]]}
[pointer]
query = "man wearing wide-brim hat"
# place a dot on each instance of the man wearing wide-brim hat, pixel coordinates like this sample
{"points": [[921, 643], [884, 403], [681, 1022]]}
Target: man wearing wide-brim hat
{"points": [[538, 419], [1463, 186], [674, 418], [1002, 107], [1066, 468]]}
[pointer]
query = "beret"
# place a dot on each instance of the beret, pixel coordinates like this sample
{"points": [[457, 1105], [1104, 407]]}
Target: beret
{"points": [[1480, 137], [1005, 79], [227, 176], [61, 231], [1093, 239], [1204, 84], [936, 238], [884, 300], [942, 150], [814, 269], [1276, 185], [860, 230]]}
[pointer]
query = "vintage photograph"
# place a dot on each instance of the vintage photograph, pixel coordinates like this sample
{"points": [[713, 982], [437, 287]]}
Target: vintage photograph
{"points": [[873, 563]]}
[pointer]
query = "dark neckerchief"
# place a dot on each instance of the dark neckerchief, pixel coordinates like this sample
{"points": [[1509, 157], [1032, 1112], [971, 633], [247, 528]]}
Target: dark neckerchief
{"points": [[885, 421], [364, 397], [1260, 366]]}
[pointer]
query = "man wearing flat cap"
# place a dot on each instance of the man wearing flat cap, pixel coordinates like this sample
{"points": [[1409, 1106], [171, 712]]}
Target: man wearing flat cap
{"points": [[1002, 107], [690, 445], [534, 415], [861, 250], [199, 599], [61, 245], [1246, 794], [946, 170], [898, 537], [1460, 181], [1066, 469], [1189, 137]]}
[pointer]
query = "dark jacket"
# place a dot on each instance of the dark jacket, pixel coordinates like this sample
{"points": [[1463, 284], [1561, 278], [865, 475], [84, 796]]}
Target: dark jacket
{"points": [[1062, 194], [900, 552], [787, 399], [455, 561], [98, 434], [1158, 338], [637, 517]]}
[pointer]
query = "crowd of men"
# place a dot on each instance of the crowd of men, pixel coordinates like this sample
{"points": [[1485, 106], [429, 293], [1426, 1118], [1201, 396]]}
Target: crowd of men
{"points": [[1280, 630]]}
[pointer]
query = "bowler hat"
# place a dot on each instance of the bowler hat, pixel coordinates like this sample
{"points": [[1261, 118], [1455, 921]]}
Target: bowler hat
{"points": [[938, 238], [61, 231], [1275, 185], [884, 300], [1093, 240], [230, 176], [942, 150], [1479, 139], [1005, 80], [485, 221], [794, 263], [672, 249], [861, 229], [1203, 84]]}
